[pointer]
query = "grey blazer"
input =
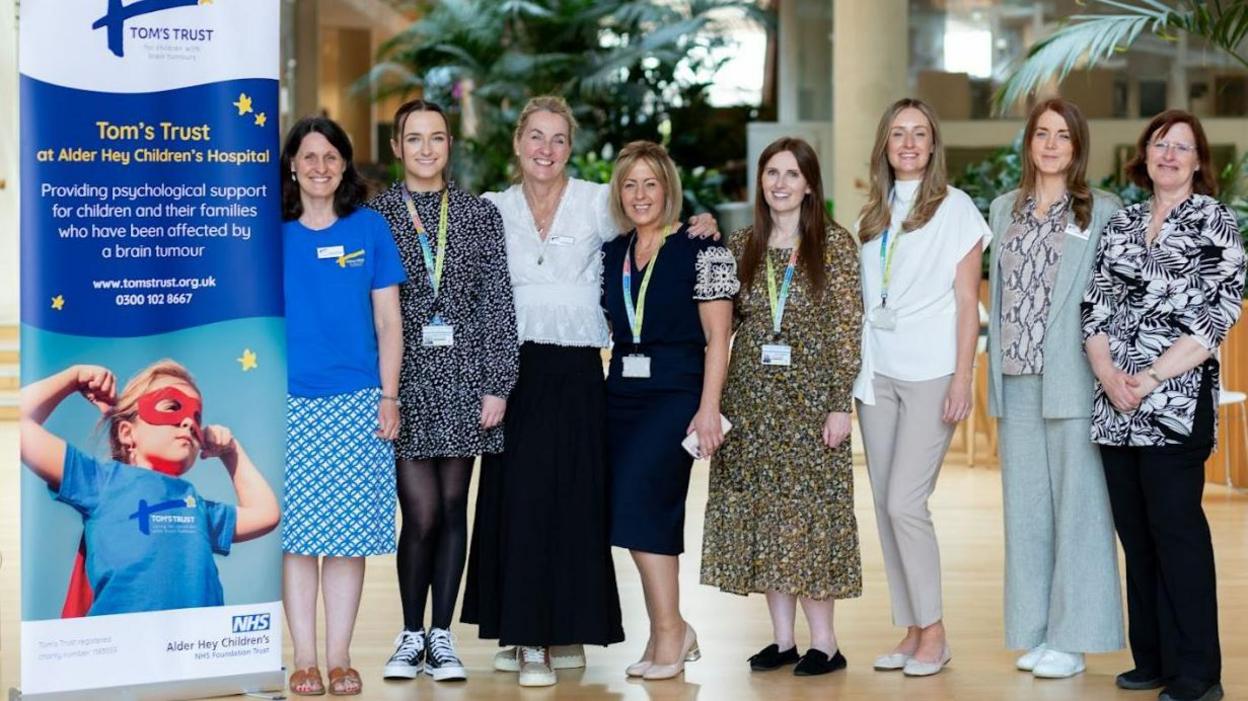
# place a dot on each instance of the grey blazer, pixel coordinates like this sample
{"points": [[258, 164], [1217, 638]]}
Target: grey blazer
{"points": [[1067, 382]]}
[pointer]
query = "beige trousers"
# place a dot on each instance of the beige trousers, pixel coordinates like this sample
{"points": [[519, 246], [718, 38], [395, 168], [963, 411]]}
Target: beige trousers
{"points": [[905, 441]]}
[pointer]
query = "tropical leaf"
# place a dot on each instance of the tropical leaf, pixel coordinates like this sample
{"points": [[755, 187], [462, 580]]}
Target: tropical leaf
{"points": [[1086, 40]]}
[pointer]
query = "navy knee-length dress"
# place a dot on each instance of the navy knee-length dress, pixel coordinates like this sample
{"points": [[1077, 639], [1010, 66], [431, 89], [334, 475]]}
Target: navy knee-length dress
{"points": [[647, 417]]}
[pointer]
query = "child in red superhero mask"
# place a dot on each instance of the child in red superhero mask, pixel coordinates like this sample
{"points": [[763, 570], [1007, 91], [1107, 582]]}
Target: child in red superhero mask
{"points": [[148, 536]]}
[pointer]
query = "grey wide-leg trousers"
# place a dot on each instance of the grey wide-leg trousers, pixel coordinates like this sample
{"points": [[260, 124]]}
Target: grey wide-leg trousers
{"points": [[1061, 562]]}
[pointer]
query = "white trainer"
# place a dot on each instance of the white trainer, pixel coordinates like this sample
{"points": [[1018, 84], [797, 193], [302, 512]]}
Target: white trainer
{"points": [[535, 667], [1056, 664], [561, 657], [1028, 660]]}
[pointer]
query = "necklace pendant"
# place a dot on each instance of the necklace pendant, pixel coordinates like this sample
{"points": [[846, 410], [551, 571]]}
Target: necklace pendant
{"points": [[540, 259]]}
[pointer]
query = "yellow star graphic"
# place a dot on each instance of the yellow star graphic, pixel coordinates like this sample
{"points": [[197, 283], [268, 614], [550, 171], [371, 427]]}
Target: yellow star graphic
{"points": [[261, 119], [58, 302], [243, 104], [190, 501], [205, 2], [248, 361]]}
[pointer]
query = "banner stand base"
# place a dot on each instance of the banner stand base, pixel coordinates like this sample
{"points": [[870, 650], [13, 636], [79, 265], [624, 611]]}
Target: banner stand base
{"points": [[169, 691]]}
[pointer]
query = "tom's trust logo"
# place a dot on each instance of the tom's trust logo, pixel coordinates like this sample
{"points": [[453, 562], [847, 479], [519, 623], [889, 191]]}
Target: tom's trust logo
{"points": [[118, 14]]}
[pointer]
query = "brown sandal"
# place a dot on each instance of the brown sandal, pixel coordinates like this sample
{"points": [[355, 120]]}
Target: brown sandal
{"points": [[339, 678], [308, 680]]}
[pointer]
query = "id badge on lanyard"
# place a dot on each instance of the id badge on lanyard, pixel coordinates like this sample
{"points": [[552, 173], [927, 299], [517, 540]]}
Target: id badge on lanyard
{"points": [[779, 354], [437, 334], [882, 317], [637, 365]]}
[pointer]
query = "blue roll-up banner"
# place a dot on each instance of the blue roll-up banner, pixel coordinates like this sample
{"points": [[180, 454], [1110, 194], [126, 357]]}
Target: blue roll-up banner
{"points": [[151, 334]]}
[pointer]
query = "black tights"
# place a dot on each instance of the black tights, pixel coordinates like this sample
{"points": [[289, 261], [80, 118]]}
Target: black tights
{"points": [[433, 498]]}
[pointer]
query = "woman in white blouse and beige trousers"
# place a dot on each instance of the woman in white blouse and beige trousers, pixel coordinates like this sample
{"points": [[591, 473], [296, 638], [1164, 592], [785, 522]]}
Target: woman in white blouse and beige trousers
{"points": [[922, 245]]}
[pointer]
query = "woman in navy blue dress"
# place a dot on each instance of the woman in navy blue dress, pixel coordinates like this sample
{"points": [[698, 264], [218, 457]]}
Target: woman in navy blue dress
{"points": [[668, 298]]}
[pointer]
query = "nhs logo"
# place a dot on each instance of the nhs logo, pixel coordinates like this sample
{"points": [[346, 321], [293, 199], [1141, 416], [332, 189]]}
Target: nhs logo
{"points": [[250, 623]]}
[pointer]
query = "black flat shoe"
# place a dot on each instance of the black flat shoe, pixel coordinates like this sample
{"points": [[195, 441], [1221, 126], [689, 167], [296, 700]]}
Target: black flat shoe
{"points": [[815, 662], [1184, 689], [770, 658], [1139, 680]]}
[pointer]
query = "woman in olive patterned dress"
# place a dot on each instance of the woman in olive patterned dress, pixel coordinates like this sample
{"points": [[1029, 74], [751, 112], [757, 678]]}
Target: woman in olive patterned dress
{"points": [[780, 516]]}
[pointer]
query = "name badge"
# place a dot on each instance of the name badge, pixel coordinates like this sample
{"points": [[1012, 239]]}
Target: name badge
{"points": [[777, 354], [1074, 230], [437, 335], [562, 241], [636, 366], [883, 318], [323, 252]]}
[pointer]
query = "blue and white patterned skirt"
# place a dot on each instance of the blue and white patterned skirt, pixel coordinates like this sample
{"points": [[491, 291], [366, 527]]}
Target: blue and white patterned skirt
{"points": [[340, 492]]}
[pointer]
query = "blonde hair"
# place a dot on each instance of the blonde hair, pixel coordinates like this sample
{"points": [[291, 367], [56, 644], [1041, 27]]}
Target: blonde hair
{"points": [[877, 215], [664, 170], [542, 103], [127, 406]]}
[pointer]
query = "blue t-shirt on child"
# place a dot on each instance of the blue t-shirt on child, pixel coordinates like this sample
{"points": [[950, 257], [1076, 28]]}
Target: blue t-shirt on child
{"points": [[330, 273], [150, 537]]}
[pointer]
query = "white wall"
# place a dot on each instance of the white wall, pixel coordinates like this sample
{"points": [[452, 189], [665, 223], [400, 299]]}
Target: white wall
{"points": [[8, 164]]}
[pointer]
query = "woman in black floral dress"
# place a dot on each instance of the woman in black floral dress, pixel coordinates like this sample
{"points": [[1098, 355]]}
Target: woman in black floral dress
{"points": [[460, 363], [1165, 292]]}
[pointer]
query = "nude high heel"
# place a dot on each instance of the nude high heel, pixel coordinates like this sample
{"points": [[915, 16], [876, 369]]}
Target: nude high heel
{"points": [[691, 654]]}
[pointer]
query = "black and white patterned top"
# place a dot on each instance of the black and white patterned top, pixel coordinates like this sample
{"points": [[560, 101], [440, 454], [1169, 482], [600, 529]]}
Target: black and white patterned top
{"points": [[441, 388], [1189, 282], [1030, 253]]}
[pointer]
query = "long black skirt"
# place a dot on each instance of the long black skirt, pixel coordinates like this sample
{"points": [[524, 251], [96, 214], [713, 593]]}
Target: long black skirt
{"points": [[540, 569]]}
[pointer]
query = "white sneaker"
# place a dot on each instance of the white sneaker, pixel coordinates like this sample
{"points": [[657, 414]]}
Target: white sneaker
{"points": [[1027, 661], [1056, 664], [535, 667], [441, 662], [561, 657], [408, 657]]}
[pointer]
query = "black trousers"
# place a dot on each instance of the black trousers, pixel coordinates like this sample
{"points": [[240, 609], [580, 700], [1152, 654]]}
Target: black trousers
{"points": [[1172, 606]]}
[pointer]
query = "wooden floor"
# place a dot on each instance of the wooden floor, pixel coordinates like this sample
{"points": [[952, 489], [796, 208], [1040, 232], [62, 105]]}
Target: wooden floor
{"points": [[967, 508]]}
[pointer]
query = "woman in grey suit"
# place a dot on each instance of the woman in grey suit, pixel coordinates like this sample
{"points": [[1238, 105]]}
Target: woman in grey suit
{"points": [[1061, 567]]}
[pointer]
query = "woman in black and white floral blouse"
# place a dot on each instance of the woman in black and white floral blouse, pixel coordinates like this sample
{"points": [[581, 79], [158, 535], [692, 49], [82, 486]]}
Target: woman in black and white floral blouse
{"points": [[1165, 291]]}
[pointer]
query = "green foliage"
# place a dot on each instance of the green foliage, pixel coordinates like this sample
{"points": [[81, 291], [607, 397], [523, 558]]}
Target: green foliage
{"points": [[1086, 40], [623, 66]]}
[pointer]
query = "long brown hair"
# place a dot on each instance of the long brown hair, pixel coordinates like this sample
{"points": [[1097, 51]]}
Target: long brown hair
{"points": [[1204, 181], [877, 214], [812, 224], [1076, 172]]}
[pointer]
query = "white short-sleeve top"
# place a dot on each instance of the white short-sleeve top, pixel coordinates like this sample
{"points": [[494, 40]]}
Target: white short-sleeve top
{"points": [[558, 281], [923, 345]]}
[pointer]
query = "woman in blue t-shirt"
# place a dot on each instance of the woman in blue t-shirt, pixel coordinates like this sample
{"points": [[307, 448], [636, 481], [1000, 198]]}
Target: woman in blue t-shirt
{"points": [[344, 337]]}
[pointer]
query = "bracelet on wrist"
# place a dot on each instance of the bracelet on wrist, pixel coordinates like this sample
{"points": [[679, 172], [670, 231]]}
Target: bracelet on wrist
{"points": [[386, 397], [1153, 374]]}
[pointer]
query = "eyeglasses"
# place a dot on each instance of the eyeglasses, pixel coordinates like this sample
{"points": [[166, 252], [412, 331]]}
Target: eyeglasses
{"points": [[1163, 146]]}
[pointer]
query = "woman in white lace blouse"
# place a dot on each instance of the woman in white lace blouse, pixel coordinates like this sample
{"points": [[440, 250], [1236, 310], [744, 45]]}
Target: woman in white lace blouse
{"points": [[540, 573]]}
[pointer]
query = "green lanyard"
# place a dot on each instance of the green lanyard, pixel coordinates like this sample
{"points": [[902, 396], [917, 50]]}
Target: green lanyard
{"points": [[886, 263], [636, 315], [433, 268], [779, 301]]}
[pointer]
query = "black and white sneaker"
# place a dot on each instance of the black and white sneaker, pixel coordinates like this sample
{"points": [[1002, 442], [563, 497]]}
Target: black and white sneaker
{"points": [[408, 657], [441, 662]]}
